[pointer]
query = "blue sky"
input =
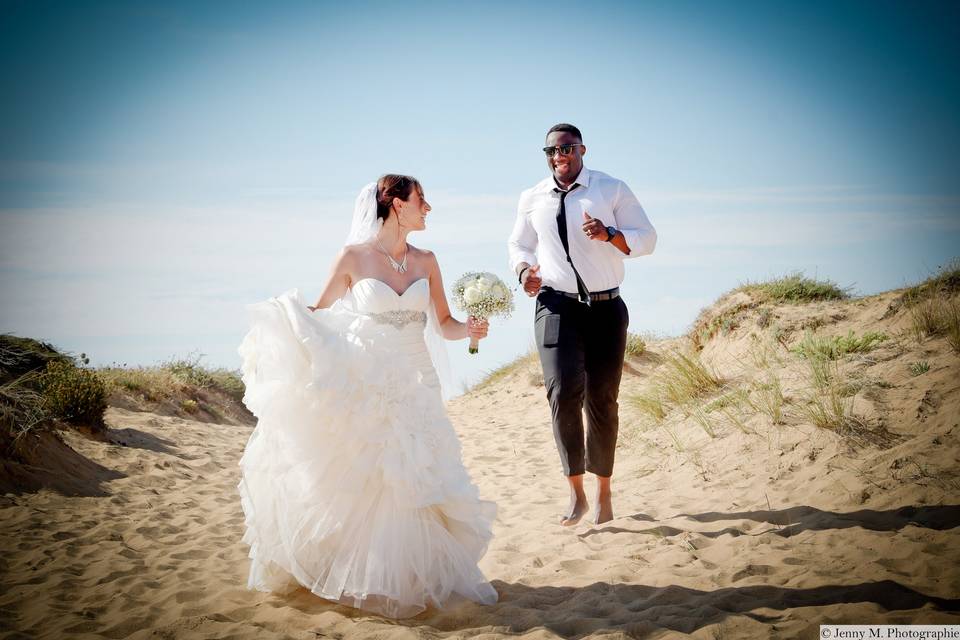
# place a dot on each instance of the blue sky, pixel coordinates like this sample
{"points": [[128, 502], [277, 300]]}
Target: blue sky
{"points": [[163, 164]]}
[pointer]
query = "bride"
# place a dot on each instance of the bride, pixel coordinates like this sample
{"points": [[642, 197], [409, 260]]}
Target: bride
{"points": [[352, 483]]}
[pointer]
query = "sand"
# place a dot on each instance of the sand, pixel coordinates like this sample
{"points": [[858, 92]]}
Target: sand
{"points": [[764, 531]]}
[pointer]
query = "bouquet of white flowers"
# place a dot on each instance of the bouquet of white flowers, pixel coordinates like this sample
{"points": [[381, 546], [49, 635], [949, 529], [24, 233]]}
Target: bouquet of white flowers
{"points": [[482, 295]]}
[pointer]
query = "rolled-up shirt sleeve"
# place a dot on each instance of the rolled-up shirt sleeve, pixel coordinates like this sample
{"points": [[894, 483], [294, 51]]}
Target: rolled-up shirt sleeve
{"points": [[522, 244], [632, 222]]}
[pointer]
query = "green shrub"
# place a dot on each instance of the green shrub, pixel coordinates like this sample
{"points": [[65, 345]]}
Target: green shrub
{"points": [[735, 399], [770, 399], [73, 394], [183, 384], [702, 419], [650, 405], [944, 283], [764, 318], [686, 378], [683, 379], [937, 316], [831, 348], [636, 346], [794, 288], [501, 372], [919, 368], [21, 408], [190, 371], [20, 356], [706, 327], [153, 383], [826, 405], [229, 382]]}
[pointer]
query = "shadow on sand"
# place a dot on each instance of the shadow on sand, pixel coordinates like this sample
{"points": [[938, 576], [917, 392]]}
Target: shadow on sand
{"points": [[129, 437], [791, 521], [636, 610]]}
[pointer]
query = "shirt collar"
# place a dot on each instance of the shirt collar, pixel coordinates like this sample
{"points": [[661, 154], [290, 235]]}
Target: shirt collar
{"points": [[549, 184]]}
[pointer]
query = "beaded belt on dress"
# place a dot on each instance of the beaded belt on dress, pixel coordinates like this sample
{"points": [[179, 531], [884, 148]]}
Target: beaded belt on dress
{"points": [[400, 319]]}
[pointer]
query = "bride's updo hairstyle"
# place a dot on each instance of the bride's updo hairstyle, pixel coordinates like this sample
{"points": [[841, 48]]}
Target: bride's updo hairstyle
{"points": [[393, 186]]}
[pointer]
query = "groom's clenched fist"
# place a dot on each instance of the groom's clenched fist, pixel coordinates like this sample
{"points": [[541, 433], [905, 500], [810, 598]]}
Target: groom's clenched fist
{"points": [[594, 228], [530, 280]]}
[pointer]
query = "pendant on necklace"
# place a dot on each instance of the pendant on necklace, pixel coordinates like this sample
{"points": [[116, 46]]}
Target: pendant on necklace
{"points": [[399, 267]]}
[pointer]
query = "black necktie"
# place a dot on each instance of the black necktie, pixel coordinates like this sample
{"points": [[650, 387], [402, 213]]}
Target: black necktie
{"points": [[582, 290]]}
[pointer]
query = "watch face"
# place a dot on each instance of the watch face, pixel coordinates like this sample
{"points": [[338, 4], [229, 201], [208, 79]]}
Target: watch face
{"points": [[611, 231]]}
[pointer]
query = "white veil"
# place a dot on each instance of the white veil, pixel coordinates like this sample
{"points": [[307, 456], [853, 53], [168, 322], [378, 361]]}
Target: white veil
{"points": [[365, 223], [365, 227]]}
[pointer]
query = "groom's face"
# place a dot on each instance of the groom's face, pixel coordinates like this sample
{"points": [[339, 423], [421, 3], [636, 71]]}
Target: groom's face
{"points": [[565, 168]]}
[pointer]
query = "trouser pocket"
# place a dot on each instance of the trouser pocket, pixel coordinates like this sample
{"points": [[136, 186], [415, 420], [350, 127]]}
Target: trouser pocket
{"points": [[546, 323], [548, 330]]}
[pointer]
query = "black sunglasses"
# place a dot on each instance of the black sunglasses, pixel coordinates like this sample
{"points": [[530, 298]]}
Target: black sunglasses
{"points": [[564, 149]]}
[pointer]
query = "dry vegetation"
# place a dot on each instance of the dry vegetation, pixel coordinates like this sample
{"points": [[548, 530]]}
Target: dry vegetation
{"points": [[791, 353], [796, 467], [43, 391], [773, 360]]}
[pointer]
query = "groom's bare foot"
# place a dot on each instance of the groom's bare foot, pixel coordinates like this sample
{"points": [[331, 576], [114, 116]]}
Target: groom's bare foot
{"points": [[578, 502], [604, 512], [578, 508]]}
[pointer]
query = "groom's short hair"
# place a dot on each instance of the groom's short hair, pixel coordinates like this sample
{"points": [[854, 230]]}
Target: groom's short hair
{"points": [[569, 128]]}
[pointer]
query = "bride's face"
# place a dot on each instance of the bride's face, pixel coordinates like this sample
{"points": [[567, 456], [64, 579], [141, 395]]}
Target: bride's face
{"points": [[412, 214]]}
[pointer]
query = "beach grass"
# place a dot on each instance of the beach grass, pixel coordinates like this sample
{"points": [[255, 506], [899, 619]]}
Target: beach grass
{"points": [[813, 346], [794, 288]]}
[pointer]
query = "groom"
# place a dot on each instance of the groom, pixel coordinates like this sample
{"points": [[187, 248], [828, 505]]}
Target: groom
{"points": [[572, 233]]}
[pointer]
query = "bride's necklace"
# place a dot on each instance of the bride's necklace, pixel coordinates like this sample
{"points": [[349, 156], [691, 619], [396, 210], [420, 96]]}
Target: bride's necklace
{"points": [[399, 267]]}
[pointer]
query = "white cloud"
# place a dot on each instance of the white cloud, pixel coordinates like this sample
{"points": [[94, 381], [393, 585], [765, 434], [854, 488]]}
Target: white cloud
{"points": [[144, 276]]}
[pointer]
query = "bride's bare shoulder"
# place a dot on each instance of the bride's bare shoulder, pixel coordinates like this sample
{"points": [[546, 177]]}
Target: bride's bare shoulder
{"points": [[357, 249], [353, 252], [421, 254]]}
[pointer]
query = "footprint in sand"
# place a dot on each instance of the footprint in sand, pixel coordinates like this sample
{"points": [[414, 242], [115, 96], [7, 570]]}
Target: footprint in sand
{"points": [[752, 570], [193, 554], [575, 566]]}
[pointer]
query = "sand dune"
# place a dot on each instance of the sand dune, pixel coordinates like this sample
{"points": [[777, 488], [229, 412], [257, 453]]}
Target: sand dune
{"points": [[763, 531]]}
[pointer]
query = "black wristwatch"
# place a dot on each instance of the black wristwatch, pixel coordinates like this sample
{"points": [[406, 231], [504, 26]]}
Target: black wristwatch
{"points": [[611, 233]]}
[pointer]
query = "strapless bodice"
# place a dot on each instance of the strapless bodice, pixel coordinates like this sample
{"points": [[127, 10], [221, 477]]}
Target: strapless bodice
{"points": [[371, 296], [406, 312]]}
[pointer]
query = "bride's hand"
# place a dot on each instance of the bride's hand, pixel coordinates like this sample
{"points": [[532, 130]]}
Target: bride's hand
{"points": [[477, 328]]}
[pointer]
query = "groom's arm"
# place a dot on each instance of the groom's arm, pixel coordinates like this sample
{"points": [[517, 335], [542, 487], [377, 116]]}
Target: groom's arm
{"points": [[522, 244], [632, 222]]}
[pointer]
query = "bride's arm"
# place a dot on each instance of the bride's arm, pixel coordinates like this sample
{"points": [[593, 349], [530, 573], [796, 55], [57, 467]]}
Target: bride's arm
{"points": [[450, 327], [337, 283]]}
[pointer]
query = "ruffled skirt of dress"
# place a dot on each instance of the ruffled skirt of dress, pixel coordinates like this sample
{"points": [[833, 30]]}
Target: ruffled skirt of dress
{"points": [[352, 482]]}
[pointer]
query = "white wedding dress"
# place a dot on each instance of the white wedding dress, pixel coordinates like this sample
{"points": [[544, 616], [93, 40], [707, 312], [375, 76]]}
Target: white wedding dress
{"points": [[352, 482]]}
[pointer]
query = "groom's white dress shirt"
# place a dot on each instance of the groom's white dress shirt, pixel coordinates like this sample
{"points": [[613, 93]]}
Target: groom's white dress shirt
{"points": [[535, 238]]}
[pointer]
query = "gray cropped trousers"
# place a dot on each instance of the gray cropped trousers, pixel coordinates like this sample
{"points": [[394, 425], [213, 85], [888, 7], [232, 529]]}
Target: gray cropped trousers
{"points": [[581, 351]]}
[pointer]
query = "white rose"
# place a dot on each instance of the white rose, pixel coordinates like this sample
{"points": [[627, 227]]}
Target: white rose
{"points": [[484, 284], [471, 295], [501, 291]]}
